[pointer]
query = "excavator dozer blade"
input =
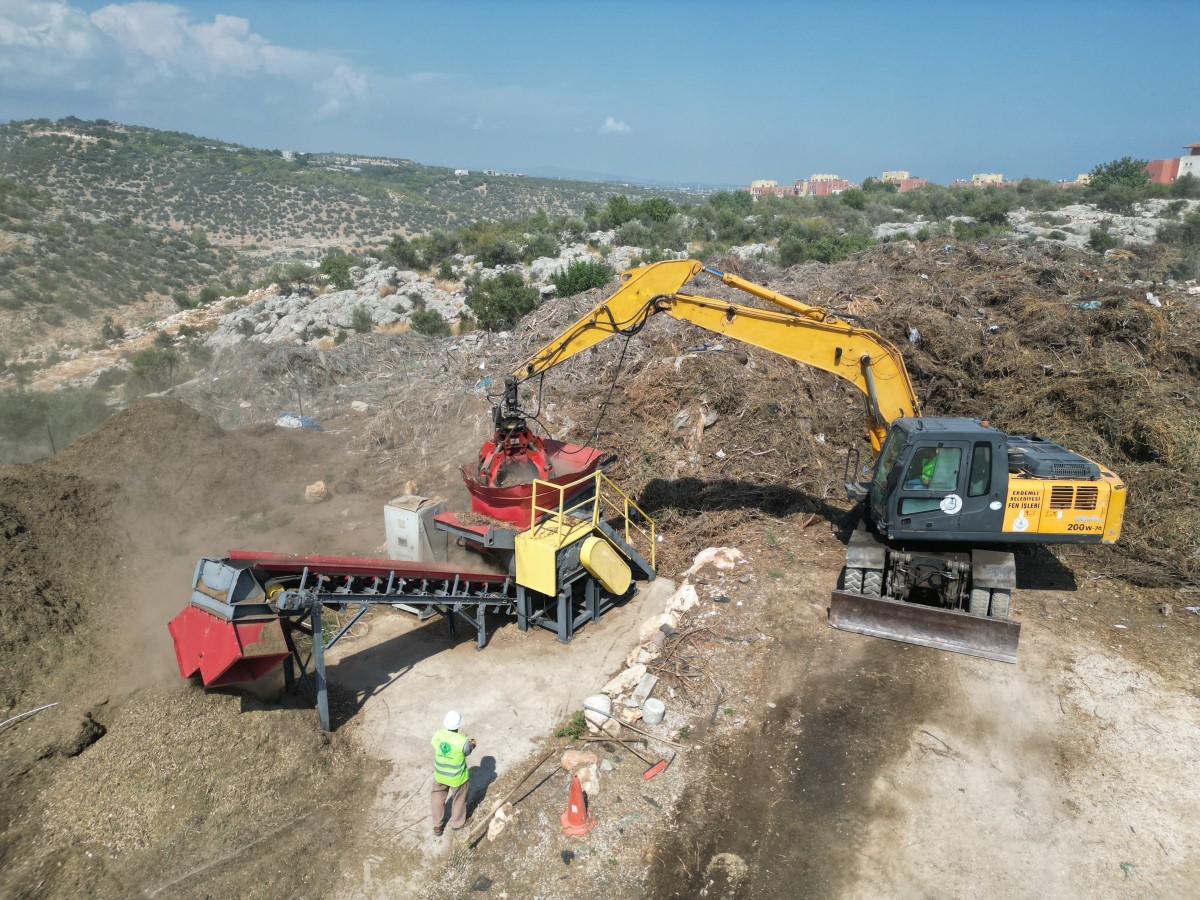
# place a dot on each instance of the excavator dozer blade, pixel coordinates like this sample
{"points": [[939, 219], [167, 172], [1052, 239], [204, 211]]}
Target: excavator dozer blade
{"points": [[928, 626]]}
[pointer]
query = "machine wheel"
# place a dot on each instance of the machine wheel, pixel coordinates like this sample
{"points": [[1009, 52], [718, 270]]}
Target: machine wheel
{"points": [[1000, 604], [852, 580], [872, 582], [978, 603]]}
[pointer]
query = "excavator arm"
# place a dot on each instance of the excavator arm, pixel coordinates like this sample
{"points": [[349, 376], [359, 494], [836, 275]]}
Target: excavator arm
{"points": [[801, 332]]}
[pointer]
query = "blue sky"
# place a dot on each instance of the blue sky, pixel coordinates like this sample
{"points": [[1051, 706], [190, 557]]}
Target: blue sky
{"points": [[712, 92]]}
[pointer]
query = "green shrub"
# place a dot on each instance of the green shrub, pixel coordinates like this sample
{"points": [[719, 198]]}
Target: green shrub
{"points": [[210, 293], [1185, 234], [430, 322], [634, 234], [340, 338], [656, 209], [110, 330], [617, 212], [51, 316], [109, 378], [645, 259], [1117, 185], [360, 319], [581, 275], [968, 231], [499, 253], [336, 267], [296, 270], [1059, 235], [992, 209], [1187, 185], [499, 303], [445, 270], [826, 248], [540, 245], [153, 369], [1100, 240], [404, 253], [1125, 172], [574, 726], [855, 199]]}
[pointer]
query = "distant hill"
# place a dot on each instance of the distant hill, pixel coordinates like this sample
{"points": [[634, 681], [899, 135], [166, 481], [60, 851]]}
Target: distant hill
{"points": [[265, 199]]}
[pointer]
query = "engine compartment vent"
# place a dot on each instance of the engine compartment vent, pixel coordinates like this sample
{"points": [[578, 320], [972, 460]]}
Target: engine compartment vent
{"points": [[1046, 459]]}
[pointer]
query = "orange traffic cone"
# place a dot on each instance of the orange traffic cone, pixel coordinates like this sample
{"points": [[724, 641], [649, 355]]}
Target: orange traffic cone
{"points": [[576, 821]]}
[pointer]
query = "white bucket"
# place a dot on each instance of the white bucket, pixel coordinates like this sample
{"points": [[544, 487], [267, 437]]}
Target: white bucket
{"points": [[653, 711]]}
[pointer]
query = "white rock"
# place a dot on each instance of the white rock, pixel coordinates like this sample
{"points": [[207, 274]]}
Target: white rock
{"points": [[589, 779], [625, 681], [684, 598], [722, 558]]}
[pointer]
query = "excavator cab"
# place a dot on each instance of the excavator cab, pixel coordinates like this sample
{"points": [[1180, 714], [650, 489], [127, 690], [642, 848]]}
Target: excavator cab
{"points": [[941, 479]]}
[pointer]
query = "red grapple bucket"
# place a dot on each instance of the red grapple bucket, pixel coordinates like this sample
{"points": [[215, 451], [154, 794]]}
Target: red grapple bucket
{"points": [[511, 503]]}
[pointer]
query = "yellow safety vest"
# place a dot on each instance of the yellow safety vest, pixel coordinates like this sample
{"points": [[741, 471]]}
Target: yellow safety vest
{"points": [[449, 761]]}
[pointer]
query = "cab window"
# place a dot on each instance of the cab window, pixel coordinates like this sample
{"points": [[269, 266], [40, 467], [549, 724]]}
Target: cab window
{"points": [[980, 481], [933, 469]]}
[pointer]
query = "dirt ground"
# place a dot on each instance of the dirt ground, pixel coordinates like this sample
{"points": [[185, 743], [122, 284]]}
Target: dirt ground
{"points": [[845, 765], [811, 762], [821, 763]]}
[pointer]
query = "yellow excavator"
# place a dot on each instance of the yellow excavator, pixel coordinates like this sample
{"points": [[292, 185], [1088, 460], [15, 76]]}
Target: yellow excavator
{"points": [[927, 564]]}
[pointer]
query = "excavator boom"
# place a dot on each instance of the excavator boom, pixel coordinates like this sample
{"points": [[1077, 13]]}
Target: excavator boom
{"points": [[805, 333]]}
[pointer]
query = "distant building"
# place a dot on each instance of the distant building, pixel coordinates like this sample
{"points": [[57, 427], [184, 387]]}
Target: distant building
{"points": [[903, 181], [763, 188], [894, 177], [985, 178], [1164, 171], [1190, 164], [1081, 179], [288, 155], [823, 185], [462, 172]]}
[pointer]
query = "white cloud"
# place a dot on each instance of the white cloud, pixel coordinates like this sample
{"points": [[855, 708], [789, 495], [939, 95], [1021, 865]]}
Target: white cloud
{"points": [[344, 87], [160, 64], [147, 29], [147, 52], [46, 36], [612, 126]]}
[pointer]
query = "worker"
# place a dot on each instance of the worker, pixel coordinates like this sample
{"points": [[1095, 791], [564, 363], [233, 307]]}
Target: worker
{"points": [[920, 471], [450, 776]]}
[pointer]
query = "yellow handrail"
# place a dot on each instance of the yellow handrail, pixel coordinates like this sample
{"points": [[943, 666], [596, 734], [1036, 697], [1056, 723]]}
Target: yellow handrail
{"points": [[556, 515]]}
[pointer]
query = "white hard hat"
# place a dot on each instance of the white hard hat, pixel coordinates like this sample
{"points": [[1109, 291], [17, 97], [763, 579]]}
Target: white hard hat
{"points": [[453, 720]]}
